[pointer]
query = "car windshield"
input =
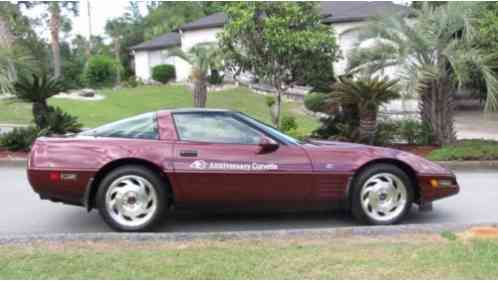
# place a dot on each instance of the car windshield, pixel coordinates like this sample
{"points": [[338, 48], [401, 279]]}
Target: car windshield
{"points": [[269, 129], [143, 126]]}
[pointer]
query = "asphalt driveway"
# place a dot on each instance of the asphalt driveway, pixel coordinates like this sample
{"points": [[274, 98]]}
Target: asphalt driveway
{"points": [[23, 212]]}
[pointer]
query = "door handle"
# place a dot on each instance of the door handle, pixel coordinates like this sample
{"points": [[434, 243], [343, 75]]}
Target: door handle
{"points": [[188, 153]]}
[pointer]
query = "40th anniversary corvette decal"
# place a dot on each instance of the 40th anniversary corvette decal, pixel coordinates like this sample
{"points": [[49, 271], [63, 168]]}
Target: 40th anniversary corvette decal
{"points": [[211, 165]]}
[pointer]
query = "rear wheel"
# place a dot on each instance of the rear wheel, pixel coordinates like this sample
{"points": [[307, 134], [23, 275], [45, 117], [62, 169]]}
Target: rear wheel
{"points": [[382, 194], [132, 198]]}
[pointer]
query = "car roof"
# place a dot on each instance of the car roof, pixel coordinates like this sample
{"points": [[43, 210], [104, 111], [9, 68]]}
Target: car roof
{"points": [[195, 109]]}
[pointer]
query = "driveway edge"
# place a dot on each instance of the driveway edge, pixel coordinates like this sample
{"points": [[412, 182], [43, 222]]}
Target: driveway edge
{"points": [[339, 232]]}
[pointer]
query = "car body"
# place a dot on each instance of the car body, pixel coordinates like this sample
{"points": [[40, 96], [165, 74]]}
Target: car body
{"points": [[221, 159]]}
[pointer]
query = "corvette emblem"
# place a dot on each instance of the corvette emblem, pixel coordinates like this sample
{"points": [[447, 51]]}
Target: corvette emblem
{"points": [[199, 165]]}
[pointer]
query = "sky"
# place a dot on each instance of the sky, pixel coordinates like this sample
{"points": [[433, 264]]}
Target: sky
{"points": [[101, 11]]}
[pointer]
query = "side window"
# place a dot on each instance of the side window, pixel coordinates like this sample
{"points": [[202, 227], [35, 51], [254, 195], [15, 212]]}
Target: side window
{"points": [[139, 127], [214, 127]]}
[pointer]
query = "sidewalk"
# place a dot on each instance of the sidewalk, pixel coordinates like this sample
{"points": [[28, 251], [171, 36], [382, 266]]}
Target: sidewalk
{"points": [[476, 125]]}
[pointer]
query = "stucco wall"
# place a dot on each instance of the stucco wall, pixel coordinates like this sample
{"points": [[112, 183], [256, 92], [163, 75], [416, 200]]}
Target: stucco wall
{"points": [[146, 60], [190, 39]]}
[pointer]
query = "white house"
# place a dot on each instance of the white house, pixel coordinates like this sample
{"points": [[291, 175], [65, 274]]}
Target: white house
{"points": [[340, 15]]}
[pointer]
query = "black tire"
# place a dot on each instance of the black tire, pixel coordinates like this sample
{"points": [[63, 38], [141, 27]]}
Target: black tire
{"points": [[158, 184], [356, 205]]}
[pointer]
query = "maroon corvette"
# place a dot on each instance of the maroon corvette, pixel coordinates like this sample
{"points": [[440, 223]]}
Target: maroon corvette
{"points": [[135, 169]]}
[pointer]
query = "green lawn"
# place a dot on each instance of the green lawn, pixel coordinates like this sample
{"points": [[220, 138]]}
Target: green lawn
{"points": [[411, 257], [127, 102], [466, 150]]}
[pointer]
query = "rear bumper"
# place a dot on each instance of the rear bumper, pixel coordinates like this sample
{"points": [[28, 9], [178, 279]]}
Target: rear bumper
{"points": [[59, 190]]}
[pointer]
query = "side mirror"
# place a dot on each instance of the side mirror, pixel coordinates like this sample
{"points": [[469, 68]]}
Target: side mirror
{"points": [[268, 145]]}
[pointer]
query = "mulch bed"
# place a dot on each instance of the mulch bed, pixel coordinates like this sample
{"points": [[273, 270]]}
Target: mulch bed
{"points": [[8, 155], [420, 150]]}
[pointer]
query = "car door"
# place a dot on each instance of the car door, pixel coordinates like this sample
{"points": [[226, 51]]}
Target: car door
{"points": [[218, 161]]}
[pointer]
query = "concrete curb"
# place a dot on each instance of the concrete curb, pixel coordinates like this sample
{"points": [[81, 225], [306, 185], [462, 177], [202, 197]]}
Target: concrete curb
{"points": [[14, 162], [339, 232], [468, 164]]}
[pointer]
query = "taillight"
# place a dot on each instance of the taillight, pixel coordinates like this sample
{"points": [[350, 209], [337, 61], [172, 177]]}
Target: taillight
{"points": [[54, 176]]}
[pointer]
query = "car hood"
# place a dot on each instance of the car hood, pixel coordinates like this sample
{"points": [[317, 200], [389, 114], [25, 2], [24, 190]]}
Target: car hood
{"points": [[344, 156]]}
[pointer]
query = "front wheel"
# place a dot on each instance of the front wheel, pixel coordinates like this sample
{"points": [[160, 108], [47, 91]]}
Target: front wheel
{"points": [[382, 195], [132, 198]]}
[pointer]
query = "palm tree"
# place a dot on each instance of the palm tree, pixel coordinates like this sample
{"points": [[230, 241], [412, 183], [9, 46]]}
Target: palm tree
{"points": [[54, 22], [115, 28], [367, 95], [37, 90], [434, 55], [203, 58]]}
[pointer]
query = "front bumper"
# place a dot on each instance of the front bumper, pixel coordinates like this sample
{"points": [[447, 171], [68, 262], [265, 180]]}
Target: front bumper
{"points": [[430, 192]]}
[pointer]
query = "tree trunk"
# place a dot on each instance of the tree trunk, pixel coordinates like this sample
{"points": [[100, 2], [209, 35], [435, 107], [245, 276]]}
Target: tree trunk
{"points": [[437, 109], [278, 104], [40, 112], [368, 126], [55, 21], [118, 60], [200, 92]]}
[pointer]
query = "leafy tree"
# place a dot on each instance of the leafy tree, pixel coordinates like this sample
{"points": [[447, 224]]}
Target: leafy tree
{"points": [[163, 17], [202, 57], [274, 40], [37, 90], [17, 39], [487, 23], [435, 55], [367, 95]]}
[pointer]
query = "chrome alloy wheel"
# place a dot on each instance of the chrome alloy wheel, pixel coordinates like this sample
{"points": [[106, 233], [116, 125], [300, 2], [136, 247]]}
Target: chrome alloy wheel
{"points": [[131, 200], [383, 197]]}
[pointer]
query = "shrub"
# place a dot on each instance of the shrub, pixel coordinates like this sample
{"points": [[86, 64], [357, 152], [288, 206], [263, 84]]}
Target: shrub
{"points": [[19, 139], [270, 101], [60, 123], [72, 73], [288, 123], [163, 73], [386, 132], [297, 134], [100, 71], [316, 102], [342, 125], [215, 78], [131, 82], [408, 130], [415, 132]]}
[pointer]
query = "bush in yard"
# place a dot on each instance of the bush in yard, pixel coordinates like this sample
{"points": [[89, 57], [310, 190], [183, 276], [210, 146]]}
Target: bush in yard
{"points": [[60, 123], [215, 78], [288, 123], [415, 132], [100, 71], [19, 139], [386, 132], [163, 73], [316, 102]]}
